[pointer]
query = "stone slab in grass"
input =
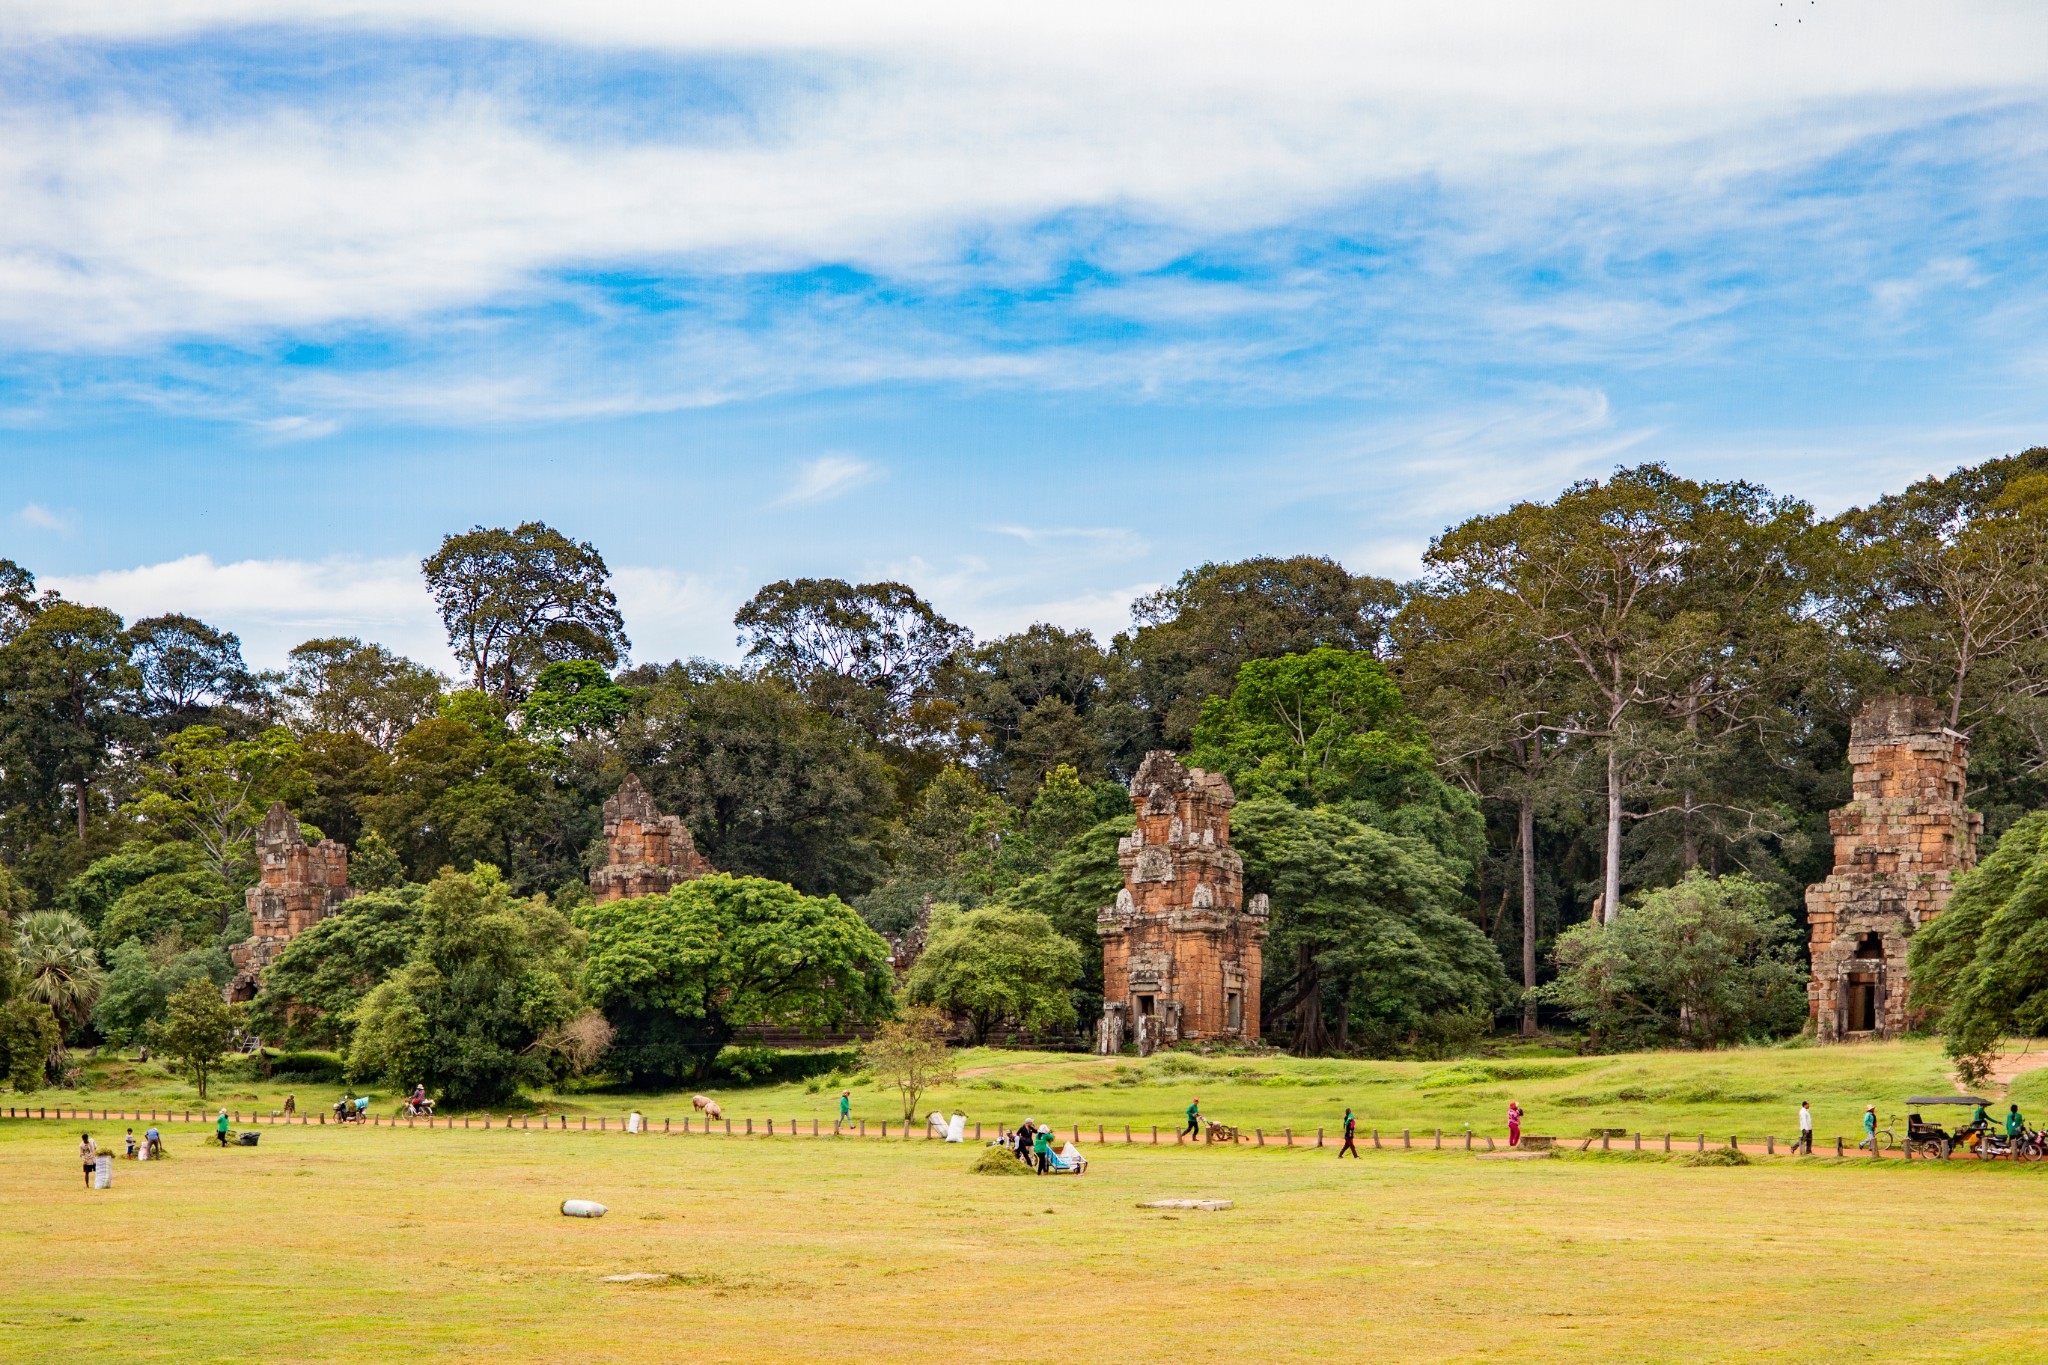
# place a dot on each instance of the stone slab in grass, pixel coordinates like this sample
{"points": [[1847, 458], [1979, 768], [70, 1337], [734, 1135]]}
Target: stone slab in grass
{"points": [[1210, 1204]]}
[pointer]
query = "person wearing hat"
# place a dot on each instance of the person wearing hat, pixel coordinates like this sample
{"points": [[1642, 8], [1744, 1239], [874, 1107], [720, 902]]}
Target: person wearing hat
{"points": [[220, 1127], [1869, 1127]]}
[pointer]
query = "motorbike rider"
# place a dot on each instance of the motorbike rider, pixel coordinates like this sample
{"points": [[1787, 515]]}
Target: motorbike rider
{"points": [[419, 1098]]}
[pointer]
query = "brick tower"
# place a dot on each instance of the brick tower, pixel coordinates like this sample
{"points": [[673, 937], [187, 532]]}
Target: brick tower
{"points": [[646, 852], [1180, 950], [298, 885], [1900, 843]]}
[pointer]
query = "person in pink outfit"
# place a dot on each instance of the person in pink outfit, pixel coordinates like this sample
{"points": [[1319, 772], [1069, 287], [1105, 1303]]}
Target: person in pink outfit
{"points": [[1514, 1124]]}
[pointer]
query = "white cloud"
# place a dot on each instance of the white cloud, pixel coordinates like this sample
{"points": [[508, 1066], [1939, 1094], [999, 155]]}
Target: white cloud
{"points": [[828, 477], [42, 518], [892, 135], [274, 604], [298, 428], [1095, 542], [672, 615]]}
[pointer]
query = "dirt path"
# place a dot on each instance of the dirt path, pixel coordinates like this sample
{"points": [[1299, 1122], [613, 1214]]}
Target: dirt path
{"points": [[2020, 1056]]}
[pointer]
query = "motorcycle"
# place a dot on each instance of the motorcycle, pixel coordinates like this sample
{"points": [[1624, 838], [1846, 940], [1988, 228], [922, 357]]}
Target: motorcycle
{"points": [[423, 1109], [349, 1109]]}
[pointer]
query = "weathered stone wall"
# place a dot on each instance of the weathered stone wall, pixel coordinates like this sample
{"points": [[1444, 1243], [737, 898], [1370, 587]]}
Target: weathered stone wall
{"points": [[646, 852], [298, 885], [1900, 843], [1179, 946]]}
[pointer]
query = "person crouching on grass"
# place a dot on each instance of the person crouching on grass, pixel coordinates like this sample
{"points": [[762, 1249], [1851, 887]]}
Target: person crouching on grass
{"points": [[89, 1154]]}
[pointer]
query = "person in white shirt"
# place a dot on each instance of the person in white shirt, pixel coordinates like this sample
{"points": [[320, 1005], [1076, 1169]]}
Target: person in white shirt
{"points": [[1805, 1142]]}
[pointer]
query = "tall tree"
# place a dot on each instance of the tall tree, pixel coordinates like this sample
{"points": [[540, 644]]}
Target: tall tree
{"points": [[515, 601], [212, 791], [1638, 588], [1044, 697], [186, 670], [995, 964], [768, 784], [341, 686], [869, 653], [1486, 693], [58, 965], [67, 701], [1981, 967], [1190, 639]]}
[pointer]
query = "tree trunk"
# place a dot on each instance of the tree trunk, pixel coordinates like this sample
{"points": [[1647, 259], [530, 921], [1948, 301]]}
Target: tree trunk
{"points": [[1311, 1039], [1528, 833], [1611, 894], [83, 788]]}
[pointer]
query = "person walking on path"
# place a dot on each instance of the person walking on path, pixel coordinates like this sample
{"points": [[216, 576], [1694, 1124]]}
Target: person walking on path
{"points": [[220, 1127], [1805, 1142], [1514, 1124], [845, 1105], [1350, 1135], [89, 1154], [1194, 1128], [1869, 1128]]}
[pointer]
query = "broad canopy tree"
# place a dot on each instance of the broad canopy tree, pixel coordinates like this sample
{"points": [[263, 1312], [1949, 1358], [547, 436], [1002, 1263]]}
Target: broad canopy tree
{"points": [[1980, 968], [516, 600], [678, 974], [996, 964]]}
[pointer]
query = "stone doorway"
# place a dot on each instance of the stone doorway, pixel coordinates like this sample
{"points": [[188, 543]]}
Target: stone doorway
{"points": [[1860, 1003]]}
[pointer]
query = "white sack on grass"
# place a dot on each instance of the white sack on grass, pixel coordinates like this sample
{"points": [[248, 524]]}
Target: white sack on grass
{"points": [[956, 1131], [583, 1208], [103, 1173], [633, 1122]]}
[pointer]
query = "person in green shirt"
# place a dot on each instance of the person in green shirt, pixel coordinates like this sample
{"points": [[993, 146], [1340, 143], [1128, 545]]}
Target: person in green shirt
{"points": [[220, 1127], [2014, 1124], [1041, 1150], [1194, 1128], [845, 1105]]}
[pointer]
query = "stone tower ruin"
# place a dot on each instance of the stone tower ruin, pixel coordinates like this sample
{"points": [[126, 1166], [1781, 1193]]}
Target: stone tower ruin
{"points": [[646, 852], [1180, 949], [298, 885], [1900, 843]]}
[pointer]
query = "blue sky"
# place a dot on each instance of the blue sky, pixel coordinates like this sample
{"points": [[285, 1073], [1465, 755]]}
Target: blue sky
{"points": [[1032, 307]]}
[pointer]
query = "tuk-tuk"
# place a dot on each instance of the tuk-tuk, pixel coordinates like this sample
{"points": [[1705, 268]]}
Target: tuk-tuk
{"points": [[1930, 1139]]}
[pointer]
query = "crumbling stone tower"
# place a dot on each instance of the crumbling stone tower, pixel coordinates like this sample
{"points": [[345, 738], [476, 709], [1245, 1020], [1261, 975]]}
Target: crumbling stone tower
{"points": [[1180, 949], [298, 885], [1899, 845], [646, 852]]}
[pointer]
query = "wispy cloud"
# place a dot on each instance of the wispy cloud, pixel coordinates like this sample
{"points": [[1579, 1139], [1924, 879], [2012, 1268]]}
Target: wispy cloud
{"points": [[42, 518], [828, 477]]}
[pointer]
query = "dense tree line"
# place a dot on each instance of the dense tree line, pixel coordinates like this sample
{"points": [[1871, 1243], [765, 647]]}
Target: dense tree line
{"points": [[1580, 702]]}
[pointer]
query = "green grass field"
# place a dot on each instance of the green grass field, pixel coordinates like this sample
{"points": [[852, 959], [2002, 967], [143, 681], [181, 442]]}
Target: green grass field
{"points": [[373, 1244], [1746, 1091]]}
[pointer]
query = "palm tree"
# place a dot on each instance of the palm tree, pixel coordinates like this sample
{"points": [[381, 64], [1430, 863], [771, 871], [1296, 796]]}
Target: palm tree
{"points": [[58, 965]]}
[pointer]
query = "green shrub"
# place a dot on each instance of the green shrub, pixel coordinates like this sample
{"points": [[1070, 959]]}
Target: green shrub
{"points": [[1718, 1156], [777, 1066], [998, 1161]]}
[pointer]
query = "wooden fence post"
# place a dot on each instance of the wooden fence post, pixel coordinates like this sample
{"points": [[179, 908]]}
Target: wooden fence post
{"points": [[1375, 1139], [1639, 1142], [1404, 1138], [1838, 1147], [1770, 1144]]}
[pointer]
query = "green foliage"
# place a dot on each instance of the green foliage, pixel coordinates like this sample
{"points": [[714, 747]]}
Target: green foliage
{"points": [[677, 974], [141, 980], [462, 789], [1981, 966], [489, 979], [1324, 726], [995, 964], [212, 791], [575, 698], [311, 989], [769, 785], [1194, 636], [56, 964], [197, 1028], [1706, 963], [373, 865], [192, 907], [1367, 925], [341, 686], [910, 1053], [29, 1032], [93, 892], [516, 600]]}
